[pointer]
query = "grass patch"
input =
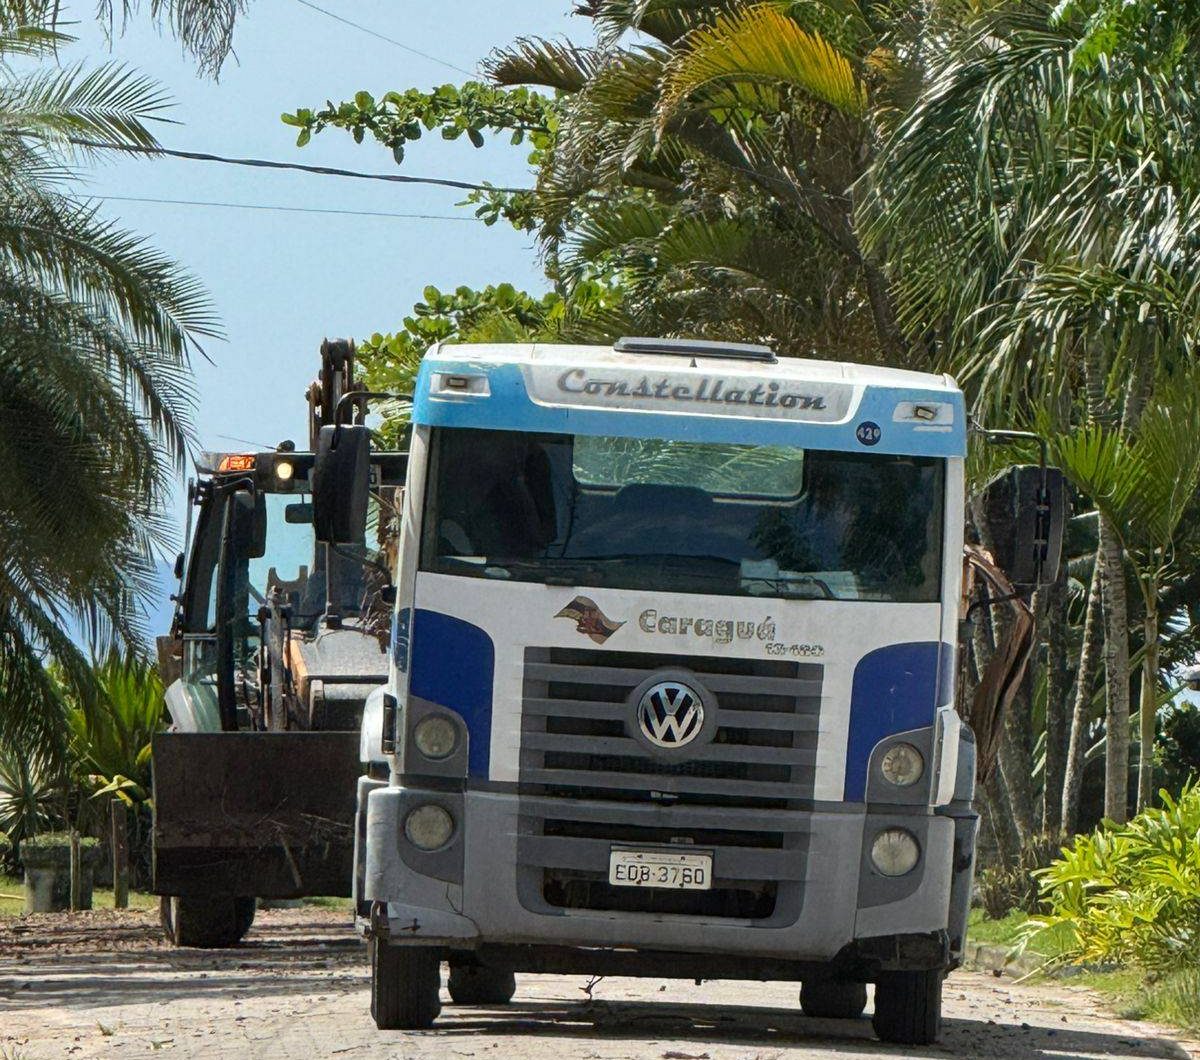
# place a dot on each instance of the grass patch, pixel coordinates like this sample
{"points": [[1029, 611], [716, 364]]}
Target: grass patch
{"points": [[342, 905], [1006, 933], [12, 900], [1002, 932], [12, 897], [1134, 994]]}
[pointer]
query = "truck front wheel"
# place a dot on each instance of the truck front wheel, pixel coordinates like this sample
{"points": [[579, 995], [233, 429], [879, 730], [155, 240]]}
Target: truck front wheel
{"points": [[833, 999], [473, 984], [205, 923], [405, 981], [908, 1007]]}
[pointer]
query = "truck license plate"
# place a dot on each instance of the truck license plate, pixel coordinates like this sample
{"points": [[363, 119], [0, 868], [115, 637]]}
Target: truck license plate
{"points": [[660, 868]]}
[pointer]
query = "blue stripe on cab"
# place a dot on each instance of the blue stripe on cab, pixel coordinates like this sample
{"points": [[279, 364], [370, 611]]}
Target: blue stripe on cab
{"points": [[895, 689], [453, 664]]}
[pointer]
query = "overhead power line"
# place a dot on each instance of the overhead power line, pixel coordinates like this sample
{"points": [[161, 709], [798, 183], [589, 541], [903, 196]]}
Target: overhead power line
{"points": [[263, 163], [286, 209], [389, 40]]}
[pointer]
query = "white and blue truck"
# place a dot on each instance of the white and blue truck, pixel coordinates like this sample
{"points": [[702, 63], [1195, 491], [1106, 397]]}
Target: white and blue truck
{"points": [[672, 679]]}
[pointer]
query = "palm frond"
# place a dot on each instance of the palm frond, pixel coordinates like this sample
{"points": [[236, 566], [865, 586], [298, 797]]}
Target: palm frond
{"points": [[761, 45], [109, 104], [204, 27], [534, 61], [664, 20]]}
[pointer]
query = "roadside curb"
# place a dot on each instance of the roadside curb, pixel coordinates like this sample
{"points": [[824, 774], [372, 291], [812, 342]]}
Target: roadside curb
{"points": [[999, 960]]}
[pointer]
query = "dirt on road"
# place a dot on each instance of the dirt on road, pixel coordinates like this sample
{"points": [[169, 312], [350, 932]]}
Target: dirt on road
{"points": [[103, 984]]}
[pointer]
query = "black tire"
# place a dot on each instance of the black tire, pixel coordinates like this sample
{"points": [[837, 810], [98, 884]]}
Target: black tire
{"points": [[244, 910], [908, 1007], [833, 999], [405, 981], [473, 984], [205, 923]]}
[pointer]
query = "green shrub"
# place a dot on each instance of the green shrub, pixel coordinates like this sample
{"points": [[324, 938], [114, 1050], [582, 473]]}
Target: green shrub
{"points": [[31, 796], [1000, 890], [110, 747], [53, 849], [110, 741], [1129, 894]]}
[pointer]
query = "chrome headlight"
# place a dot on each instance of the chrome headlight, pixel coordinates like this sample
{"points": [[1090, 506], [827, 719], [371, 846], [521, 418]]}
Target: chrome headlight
{"points": [[429, 827], [902, 765], [895, 852], [435, 736]]}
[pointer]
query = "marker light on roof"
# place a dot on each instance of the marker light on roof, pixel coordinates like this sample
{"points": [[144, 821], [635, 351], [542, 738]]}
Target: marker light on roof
{"points": [[459, 385], [927, 415], [237, 462]]}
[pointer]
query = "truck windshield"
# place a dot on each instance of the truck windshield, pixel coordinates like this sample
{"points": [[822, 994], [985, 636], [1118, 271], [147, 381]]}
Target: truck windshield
{"points": [[632, 513]]}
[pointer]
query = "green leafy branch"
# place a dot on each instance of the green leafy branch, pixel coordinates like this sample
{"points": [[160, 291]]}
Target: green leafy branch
{"points": [[470, 110]]}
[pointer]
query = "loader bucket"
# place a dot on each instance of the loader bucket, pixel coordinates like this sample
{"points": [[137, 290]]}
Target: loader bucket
{"points": [[269, 815]]}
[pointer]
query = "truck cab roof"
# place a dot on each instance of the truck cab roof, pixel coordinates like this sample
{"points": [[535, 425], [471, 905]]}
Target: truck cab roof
{"points": [[717, 356], [690, 390]]}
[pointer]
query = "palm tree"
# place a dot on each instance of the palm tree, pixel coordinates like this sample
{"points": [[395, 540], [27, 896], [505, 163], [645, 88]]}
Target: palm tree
{"points": [[709, 152], [96, 331], [1041, 221], [1145, 485]]}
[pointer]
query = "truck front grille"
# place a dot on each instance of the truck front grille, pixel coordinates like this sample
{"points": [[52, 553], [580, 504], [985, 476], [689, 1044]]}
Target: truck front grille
{"points": [[588, 784]]}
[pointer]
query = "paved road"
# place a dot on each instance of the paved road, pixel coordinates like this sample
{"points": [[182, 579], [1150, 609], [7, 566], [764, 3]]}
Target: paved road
{"points": [[103, 986]]}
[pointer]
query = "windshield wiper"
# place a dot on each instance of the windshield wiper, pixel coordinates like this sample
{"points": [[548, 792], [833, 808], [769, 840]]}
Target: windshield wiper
{"points": [[551, 570], [780, 584], [567, 570]]}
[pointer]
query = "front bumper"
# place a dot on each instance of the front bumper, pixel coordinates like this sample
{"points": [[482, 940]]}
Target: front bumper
{"points": [[483, 890]]}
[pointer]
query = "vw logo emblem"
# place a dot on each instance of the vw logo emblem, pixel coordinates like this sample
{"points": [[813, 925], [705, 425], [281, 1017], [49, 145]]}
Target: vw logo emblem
{"points": [[670, 714]]}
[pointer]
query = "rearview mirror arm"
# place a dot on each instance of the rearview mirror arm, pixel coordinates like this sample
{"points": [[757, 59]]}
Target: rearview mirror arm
{"points": [[360, 397], [999, 437]]}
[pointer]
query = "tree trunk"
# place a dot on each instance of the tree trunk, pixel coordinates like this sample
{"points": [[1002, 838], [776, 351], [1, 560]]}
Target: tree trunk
{"points": [[1115, 606], [999, 816], [1016, 761], [1085, 680], [1149, 708], [1116, 668], [1057, 710], [883, 313]]}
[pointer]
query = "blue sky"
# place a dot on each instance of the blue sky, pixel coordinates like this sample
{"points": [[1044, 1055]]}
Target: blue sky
{"points": [[283, 281]]}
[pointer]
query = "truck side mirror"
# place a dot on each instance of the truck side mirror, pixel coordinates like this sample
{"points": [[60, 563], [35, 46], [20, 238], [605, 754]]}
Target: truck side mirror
{"points": [[249, 524], [1025, 507], [341, 481]]}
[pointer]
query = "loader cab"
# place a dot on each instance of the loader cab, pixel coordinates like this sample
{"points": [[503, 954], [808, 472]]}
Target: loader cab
{"points": [[287, 557], [254, 547]]}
